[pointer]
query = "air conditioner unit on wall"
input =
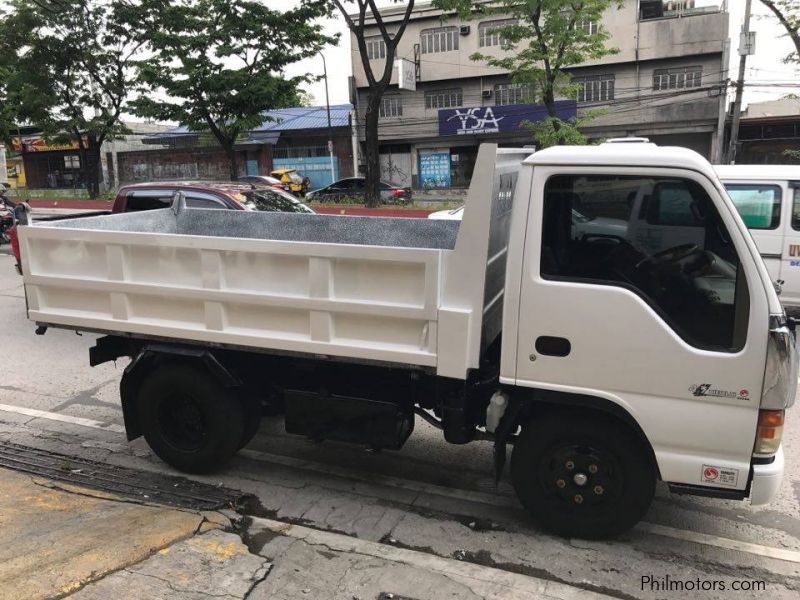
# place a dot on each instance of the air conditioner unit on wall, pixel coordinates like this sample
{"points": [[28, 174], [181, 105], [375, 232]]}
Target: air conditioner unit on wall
{"points": [[486, 94], [464, 30]]}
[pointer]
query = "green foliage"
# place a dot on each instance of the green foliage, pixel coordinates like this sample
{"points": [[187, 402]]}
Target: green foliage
{"points": [[66, 69], [793, 154], [70, 71], [542, 43], [788, 14], [218, 65]]}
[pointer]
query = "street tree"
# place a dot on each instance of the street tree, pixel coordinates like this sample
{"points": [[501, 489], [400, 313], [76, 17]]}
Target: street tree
{"points": [[542, 40], [788, 14], [378, 73], [70, 72], [218, 65]]}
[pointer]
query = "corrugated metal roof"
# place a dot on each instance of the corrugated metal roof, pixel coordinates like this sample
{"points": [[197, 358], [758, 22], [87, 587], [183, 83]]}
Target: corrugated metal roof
{"points": [[284, 119]]}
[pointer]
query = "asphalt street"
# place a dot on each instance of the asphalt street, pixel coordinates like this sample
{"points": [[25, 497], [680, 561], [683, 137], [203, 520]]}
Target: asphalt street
{"points": [[431, 497]]}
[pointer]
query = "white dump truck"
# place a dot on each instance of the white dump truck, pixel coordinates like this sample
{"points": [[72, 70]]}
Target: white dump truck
{"points": [[607, 358]]}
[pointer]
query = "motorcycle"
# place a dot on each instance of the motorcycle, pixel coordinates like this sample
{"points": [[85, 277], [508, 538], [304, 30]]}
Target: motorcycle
{"points": [[7, 218]]}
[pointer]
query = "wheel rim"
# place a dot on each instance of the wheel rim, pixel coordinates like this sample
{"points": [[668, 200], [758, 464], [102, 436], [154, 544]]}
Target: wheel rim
{"points": [[580, 477], [181, 422]]}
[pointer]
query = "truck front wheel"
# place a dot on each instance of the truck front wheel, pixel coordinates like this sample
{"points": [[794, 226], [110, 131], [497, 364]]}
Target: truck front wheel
{"points": [[585, 476], [189, 420]]}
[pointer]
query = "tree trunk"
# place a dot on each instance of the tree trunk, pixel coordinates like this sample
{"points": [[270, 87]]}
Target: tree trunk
{"points": [[233, 162], [549, 100], [93, 168], [373, 163]]}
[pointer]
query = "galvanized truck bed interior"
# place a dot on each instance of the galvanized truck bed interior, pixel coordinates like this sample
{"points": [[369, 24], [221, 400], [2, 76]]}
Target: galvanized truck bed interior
{"points": [[327, 229]]}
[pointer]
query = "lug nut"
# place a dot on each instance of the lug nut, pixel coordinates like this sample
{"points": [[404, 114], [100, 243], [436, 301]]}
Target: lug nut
{"points": [[592, 469], [578, 499], [561, 483], [570, 465], [598, 489]]}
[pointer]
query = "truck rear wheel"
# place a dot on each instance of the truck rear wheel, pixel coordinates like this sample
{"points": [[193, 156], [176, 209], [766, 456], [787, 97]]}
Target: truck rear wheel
{"points": [[582, 476], [189, 420]]}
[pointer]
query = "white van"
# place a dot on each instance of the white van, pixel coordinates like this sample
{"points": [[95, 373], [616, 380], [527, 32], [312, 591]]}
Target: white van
{"points": [[768, 199]]}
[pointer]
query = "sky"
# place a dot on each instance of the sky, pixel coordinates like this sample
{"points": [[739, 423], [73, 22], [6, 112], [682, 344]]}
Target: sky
{"points": [[764, 69]]}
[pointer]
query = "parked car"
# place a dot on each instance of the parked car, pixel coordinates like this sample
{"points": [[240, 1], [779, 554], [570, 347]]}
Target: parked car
{"points": [[223, 195], [355, 187], [265, 181], [297, 183], [199, 194]]}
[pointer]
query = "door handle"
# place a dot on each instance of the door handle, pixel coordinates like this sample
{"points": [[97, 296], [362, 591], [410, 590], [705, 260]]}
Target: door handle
{"points": [[553, 346]]}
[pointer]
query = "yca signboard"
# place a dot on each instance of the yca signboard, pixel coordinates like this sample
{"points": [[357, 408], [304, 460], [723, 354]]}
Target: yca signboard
{"points": [[482, 120]]}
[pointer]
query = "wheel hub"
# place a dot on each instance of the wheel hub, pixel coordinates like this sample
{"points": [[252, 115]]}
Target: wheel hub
{"points": [[581, 475]]}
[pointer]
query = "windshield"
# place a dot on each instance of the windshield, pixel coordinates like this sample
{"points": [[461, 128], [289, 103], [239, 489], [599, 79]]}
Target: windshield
{"points": [[272, 201], [294, 177]]}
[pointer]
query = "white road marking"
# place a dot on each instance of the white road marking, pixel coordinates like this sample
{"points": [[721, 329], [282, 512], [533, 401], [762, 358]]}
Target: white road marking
{"points": [[487, 582], [720, 542], [479, 497], [43, 414]]}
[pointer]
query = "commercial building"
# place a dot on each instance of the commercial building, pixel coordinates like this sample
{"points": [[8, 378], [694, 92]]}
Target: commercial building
{"points": [[41, 163], [291, 138], [664, 83], [767, 130]]}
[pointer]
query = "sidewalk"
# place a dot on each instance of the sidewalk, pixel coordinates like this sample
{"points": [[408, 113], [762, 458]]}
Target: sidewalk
{"points": [[58, 539]]}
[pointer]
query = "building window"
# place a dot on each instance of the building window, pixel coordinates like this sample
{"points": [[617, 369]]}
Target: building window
{"points": [[598, 88], [391, 106], [671, 79], [72, 162], [512, 93], [440, 39], [376, 47], [488, 34], [444, 98], [588, 26]]}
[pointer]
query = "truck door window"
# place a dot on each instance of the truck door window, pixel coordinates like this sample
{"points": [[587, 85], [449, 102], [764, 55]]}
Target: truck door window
{"points": [[675, 252], [759, 205], [198, 202]]}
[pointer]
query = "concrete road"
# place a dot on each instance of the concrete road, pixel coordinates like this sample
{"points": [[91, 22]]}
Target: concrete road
{"points": [[434, 499]]}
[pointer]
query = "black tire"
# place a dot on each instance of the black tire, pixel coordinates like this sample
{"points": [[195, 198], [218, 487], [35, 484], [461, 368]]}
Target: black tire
{"points": [[188, 419], [620, 478]]}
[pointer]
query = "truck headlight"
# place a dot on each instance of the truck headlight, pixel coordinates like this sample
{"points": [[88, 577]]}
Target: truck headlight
{"points": [[780, 374]]}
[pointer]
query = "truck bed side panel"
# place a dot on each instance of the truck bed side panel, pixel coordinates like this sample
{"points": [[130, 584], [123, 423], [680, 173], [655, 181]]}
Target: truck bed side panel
{"points": [[357, 301]]}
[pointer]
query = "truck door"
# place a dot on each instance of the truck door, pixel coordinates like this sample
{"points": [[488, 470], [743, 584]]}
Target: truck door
{"points": [[673, 330], [759, 204], [790, 261]]}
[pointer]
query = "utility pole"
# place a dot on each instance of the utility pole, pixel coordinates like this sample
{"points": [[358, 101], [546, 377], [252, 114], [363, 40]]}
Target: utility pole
{"points": [[745, 48], [328, 106]]}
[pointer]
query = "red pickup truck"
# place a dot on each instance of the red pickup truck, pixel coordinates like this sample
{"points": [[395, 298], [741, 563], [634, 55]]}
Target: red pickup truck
{"points": [[199, 194]]}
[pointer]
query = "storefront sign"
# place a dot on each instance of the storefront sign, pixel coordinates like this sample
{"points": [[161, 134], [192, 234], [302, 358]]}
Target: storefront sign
{"points": [[406, 74], [36, 143], [481, 120], [434, 170]]}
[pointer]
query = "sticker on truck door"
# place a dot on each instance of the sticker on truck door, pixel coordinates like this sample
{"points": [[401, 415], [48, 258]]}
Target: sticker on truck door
{"points": [[706, 389], [719, 475]]}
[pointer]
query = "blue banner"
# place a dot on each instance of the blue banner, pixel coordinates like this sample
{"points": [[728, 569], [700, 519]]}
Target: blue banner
{"points": [[508, 118]]}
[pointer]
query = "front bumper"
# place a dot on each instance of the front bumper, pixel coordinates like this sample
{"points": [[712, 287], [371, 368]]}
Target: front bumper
{"points": [[766, 480]]}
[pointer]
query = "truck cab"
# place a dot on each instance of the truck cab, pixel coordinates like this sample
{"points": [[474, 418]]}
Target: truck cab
{"points": [[600, 310]]}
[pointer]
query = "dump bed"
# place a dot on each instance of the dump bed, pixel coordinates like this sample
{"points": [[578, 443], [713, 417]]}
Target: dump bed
{"points": [[370, 288]]}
